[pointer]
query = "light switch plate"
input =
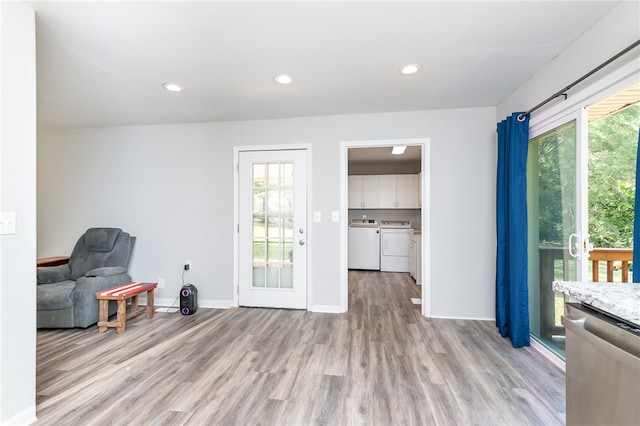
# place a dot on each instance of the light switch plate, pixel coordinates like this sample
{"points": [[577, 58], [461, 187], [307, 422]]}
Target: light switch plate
{"points": [[317, 216], [335, 216], [7, 223]]}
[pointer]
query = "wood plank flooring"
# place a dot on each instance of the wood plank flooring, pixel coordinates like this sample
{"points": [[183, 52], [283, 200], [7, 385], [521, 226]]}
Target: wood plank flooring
{"points": [[381, 363]]}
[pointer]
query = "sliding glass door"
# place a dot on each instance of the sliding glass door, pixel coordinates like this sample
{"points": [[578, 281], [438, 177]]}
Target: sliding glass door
{"points": [[558, 240]]}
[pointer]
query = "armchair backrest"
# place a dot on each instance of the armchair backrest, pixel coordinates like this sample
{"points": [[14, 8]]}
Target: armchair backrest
{"points": [[100, 247]]}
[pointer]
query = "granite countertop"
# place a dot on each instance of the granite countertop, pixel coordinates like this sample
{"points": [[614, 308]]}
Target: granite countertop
{"points": [[619, 299]]}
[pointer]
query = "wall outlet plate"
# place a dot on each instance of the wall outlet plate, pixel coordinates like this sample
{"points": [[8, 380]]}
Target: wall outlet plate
{"points": [[7, 223]]}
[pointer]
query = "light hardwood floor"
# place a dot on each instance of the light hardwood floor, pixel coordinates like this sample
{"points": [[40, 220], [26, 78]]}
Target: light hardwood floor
{"points": [[381, 363]]}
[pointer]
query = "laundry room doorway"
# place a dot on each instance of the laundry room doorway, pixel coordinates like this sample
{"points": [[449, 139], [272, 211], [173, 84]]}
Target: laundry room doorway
{"points": [[388, 194]]}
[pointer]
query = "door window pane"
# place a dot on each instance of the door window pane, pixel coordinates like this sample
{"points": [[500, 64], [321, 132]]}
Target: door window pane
{"points": [[258, 277], [275, 227], [258, 227], [287, 227], [274, 254], [286, 278], [258, 251], [273, 231], [552, 209]]}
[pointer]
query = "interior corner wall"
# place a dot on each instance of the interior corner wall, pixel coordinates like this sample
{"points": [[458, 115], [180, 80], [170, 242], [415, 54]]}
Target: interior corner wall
{"points": [[172, 187], [613, 33], [18, 194]]}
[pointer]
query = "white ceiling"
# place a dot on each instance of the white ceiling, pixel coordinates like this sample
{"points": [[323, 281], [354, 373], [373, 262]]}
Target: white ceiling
{"points": [[104, 63]]}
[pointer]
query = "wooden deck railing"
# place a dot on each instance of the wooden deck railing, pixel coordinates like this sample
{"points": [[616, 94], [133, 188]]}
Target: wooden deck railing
{"points": [[615, 258]]}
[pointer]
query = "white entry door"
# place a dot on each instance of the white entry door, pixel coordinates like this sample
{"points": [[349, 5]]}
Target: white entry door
{"points": [[272, 230]]}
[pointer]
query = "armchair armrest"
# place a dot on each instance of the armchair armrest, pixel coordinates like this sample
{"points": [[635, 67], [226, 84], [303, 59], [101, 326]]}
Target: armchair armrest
{"points": [[86, 307], [86, 287], [53, 274], [106, 271]]}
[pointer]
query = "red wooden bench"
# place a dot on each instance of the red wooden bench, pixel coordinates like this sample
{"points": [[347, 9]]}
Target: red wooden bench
{"points": [[121, 294]]}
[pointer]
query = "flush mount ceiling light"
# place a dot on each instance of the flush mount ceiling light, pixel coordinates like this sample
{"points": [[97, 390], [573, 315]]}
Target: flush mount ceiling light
{"points": [[283, 79], [398, 150], [410, 69], [172, 87]]}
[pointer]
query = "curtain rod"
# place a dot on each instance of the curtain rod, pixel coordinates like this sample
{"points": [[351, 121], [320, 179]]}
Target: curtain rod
{"points": [[587, 75]]}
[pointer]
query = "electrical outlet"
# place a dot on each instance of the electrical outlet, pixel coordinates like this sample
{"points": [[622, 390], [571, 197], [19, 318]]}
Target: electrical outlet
{"points": [[160, 282], [187, 265], [7, 223]]}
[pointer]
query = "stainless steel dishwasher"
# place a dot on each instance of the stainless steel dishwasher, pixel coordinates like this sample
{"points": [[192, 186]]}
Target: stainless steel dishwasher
{"points": [[602, 368]]}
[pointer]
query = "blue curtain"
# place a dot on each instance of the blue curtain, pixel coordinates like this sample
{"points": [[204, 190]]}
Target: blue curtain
{"points": [[512, 297], [636, 221]]}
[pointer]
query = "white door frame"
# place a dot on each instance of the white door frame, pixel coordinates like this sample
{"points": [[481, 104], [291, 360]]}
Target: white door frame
{"points": [[236, 212], [425, 144]]}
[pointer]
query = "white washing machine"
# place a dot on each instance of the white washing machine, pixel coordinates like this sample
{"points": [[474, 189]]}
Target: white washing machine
{"points": [[394, 245], [364, 244]]}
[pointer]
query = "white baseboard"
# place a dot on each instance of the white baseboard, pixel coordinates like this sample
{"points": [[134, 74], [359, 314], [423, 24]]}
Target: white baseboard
{"points": [[23, 418], [175, 303], [329, 309], [216, 304], [463, 318]]}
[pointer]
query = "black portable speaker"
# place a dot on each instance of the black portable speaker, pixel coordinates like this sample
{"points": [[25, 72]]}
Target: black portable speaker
{"points": [[188, 299]]}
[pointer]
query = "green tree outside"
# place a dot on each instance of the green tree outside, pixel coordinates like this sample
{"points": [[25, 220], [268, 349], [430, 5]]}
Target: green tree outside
{"points": [[613, 144]]}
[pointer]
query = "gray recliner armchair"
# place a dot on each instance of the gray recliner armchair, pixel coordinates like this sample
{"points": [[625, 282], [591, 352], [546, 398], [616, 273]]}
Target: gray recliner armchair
{"points": [[66, 294]]}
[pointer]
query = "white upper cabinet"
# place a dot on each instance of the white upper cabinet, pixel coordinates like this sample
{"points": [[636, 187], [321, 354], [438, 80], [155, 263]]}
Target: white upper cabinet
{"points": [[364, 192], [388, 191], [383, 192], [371, 191], [407, 192]]}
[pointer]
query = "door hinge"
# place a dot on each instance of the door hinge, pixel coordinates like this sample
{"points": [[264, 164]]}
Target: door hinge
{"points": [[238, 168], [238, 228]]}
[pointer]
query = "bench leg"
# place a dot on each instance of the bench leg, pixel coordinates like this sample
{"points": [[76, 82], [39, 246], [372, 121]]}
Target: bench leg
{"points": [[104, 315], [122, 316], [150, 302], [134, 303]]}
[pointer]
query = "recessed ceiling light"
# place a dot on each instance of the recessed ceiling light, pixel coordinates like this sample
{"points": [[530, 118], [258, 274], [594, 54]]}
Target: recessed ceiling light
{"points": [[283, 79], [398, 150], [172, 87], [410, 69]]}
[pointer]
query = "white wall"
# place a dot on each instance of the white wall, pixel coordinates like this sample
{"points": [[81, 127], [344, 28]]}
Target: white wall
{"points": [[18, 194], [616, 31], [171, 186]]}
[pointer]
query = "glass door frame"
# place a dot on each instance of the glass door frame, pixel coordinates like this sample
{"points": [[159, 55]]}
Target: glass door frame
{"points": [[545, 311], [561, 112], [581, 244]]}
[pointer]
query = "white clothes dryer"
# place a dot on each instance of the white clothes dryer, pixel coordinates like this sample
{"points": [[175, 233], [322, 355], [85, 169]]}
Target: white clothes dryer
{"points": [[394, 245]]}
